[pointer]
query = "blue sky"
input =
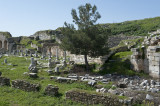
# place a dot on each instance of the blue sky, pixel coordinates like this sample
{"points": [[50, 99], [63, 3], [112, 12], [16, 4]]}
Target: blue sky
{"points": [[25, 17]]}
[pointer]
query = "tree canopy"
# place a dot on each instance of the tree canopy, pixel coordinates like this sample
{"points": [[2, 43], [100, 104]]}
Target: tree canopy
{"points": [[89, 39]]}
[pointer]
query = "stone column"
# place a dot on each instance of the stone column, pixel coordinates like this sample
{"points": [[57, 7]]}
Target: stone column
{"points": [[57, 58], [64, 59], [64, 54], [32, 61], [21, 52], [49, 63], [26, 52], [17, 52]]}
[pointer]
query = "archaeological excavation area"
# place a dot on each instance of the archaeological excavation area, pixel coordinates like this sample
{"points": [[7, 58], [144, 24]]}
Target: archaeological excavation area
{"points": [[34, 70]]}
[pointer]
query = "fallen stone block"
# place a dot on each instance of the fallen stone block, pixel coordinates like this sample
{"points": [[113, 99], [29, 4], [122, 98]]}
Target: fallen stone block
{"points": [[33, 75]]}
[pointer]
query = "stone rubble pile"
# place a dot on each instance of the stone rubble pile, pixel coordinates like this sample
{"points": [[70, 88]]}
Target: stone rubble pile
{"points": [[125, 83]]}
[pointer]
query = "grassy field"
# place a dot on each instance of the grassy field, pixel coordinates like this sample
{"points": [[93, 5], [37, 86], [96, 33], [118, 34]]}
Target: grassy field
{"points": [[120, 64], [16, 66], [16, 97]]}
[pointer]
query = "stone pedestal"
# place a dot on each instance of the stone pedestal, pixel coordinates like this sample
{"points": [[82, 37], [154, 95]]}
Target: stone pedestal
{"points": [[5, 61]]}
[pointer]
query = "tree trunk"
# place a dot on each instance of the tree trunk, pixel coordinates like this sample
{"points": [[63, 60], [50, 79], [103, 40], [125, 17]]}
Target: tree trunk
{"points": [[86, 62]]}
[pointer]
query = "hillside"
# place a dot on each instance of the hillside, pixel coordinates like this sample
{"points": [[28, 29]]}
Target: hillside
{"points": [[136, 27]]}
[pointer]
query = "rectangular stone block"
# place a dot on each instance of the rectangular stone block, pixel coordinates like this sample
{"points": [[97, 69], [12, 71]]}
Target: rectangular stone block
{"points": [[134, 56], [151, 47], [156, 54], [134, 49], [156, 69], [152, 50], [151, 58], [157, 59], [150, 54], [151, 68], [155, 63], [136, 53], [154, 75]]}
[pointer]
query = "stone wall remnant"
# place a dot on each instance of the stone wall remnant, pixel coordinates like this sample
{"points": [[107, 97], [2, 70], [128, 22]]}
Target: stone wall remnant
{"points": [[147, 57], [51, 90], [26, 86], [92, 99], [4, 81]]}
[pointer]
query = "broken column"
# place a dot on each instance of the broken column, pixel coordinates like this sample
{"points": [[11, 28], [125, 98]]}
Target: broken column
{"points": [[32, 66]]}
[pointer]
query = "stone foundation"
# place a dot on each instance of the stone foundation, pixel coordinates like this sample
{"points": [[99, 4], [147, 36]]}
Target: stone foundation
{"points": [[4, 81], [92, 99], [26, 86], [51, 91]]}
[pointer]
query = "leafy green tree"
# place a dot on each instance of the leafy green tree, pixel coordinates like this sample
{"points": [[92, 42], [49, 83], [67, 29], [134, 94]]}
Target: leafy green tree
{"points": [[89, 39]]}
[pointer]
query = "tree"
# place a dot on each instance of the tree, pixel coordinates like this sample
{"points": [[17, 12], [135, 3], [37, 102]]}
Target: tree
{"points": [[89, 39]]}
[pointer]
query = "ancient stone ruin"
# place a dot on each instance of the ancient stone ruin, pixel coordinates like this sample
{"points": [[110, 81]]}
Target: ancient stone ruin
{"points": [[92, 99], [26, 86], [147, 57], [51, 90], [4, 81]]}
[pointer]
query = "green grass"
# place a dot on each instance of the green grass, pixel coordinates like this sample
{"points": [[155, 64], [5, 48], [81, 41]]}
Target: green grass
{"points": [[135, 27], [108, 86], [16, 97], [131, 42], [11, 96], [120, 65]]}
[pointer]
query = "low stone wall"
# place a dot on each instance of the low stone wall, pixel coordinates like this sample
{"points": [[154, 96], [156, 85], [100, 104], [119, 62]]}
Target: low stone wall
{"points": [[4, 81], [92, 99], [26, 86], [51, 90]]}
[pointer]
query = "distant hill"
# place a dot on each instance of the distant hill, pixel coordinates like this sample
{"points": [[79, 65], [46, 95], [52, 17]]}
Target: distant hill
{"points": [[135, 28]]}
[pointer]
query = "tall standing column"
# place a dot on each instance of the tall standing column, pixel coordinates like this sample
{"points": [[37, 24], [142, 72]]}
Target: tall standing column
{"points": [[57, 58]]}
